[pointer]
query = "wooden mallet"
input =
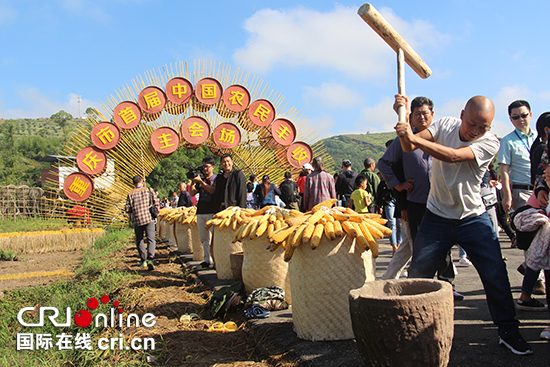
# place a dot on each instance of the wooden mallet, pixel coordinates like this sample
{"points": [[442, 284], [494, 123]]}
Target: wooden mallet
{"points": [[404, 51]]}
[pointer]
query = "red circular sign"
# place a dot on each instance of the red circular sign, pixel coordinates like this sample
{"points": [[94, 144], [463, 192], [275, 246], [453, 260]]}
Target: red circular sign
{"points": [[91, 160], [151, 100], [195, 130], [261, 112], [78, 186], [165, 140], [283, 131], [236, 98], [226, 136], [298, 154], [105, 135], [208, 91], [127, 115], [179, 90]]}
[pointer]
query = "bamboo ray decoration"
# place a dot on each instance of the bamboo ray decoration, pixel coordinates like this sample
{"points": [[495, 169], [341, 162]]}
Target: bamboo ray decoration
{"points": [[133, 155]]}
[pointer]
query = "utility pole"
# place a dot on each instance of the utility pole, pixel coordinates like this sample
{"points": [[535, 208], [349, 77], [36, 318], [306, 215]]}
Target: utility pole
{"points": [[78, 99]]}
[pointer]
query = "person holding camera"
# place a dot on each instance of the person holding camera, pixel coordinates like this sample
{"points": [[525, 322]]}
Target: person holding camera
{"points": [[206, 206]]}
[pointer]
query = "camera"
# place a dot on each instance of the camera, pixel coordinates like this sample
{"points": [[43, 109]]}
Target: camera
{"points": [[193, 172]]}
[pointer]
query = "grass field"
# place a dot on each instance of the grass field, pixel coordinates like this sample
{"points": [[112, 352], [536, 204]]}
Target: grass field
{"points": [[96, 277], [31, 224]]}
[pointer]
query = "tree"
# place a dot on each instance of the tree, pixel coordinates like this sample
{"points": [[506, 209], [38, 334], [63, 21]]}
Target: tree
{"points": [[92, 112], [62, 119]]}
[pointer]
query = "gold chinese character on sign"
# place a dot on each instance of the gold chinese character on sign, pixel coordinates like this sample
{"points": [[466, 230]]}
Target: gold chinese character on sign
{"points": [[299, 154], [152, 99], [128, 115], [228, 136], [236, 98], [195, 129], [179, 90], [209, 91], [106, 135], [165, 139], [283, 132], [262, 112], [91, 160], [78, 186]]}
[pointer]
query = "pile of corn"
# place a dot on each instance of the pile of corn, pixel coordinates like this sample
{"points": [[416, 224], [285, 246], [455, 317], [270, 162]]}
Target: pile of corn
{"points": [[336, 222], [291, 228], [183, 215]]}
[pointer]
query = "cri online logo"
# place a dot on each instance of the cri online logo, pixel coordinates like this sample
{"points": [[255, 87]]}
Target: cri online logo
{"points": [[83, 318]]}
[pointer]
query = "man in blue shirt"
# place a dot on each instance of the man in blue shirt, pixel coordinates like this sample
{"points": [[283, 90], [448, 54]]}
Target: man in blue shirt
{"points": [[514, 157]]}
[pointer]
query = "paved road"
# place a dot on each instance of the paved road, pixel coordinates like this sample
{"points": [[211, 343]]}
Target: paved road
{"points": [[475, 340]]}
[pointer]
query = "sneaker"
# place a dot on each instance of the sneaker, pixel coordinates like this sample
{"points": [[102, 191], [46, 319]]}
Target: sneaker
{"points": [[516, 344], [545, 334], [142, 264], [531, 305], [457, 296], [151, 264], [539, 288], [204, 264], [464, 262]]}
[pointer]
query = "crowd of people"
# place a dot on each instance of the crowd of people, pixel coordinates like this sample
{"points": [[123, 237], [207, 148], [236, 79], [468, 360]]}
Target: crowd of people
{"points": [[437, 188]]}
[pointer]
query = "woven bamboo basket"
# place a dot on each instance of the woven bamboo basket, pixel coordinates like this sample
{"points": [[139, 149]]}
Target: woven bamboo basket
{"points": [[184, 237], [171, 234], [320, 281], [263, 268], [163, 230], [196, 244], [221, 251]]}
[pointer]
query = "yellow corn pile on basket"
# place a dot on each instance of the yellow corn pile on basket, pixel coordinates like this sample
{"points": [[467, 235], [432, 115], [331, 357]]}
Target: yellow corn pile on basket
{"points": [[225, 224], [263, 268]]}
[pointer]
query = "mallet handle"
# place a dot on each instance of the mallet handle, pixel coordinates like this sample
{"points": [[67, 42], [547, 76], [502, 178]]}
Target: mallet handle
{"points": [[392, 38], [401, 111]]}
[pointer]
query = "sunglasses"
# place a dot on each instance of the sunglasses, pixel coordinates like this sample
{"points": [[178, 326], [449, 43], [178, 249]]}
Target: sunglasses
{"points": [[523, 116]]}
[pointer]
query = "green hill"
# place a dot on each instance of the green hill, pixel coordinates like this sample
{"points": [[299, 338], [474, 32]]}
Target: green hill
{"points": [[357, 147]]}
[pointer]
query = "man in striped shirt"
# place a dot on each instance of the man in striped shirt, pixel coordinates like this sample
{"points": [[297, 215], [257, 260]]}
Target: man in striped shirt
{"points": [[138, 203], [319, 185]]}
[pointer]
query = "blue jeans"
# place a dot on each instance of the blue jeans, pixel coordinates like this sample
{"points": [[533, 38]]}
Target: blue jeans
{"points": [[476, 235], [393, 223]]}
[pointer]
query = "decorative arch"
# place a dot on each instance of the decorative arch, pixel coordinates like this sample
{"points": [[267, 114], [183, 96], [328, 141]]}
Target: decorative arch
{"points": [[213, 105]]}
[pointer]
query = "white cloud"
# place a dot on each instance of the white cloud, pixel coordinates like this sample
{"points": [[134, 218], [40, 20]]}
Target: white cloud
{"points": [[322, 125], [338, 39], [42, 105], [85, 8], [331, 95], [376, 119], [7, 14]]}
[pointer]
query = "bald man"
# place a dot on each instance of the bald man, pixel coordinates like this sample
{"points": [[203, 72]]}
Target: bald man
{"points": [[462, 150]]}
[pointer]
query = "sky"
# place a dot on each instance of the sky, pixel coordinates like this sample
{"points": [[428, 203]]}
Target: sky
{"points": [[320, 55]]}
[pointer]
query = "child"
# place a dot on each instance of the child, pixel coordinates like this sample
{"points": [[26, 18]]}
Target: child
{"points": [[360, 198], [251, 202]]}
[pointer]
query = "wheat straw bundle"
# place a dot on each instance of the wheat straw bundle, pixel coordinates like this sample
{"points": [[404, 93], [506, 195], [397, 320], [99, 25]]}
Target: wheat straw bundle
{"points": [[263, 268], [320, 280], [45, 241]]}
